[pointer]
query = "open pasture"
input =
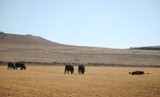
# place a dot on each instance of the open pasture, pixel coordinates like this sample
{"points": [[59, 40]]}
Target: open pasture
{"points": [[50, 81]]}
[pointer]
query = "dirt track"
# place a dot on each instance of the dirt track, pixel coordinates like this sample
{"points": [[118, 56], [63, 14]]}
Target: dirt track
{"points": [[50, 81]]}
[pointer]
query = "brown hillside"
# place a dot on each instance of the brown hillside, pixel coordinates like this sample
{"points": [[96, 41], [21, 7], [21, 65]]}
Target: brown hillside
{"points": [[20, 41], [36, 49]]}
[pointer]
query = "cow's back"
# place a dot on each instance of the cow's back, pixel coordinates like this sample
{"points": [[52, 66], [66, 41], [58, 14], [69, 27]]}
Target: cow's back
{"points": [[20, 64]]}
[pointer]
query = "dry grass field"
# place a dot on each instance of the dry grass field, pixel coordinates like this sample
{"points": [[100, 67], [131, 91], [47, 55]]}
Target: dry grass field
{"points": [[50, 81]]}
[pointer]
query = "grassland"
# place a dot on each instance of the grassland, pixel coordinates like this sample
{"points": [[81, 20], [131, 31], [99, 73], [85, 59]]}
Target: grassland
{"points": [[50, 81], [41, 80]]}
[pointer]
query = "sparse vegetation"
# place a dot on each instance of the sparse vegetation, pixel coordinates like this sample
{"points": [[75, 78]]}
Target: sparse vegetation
{"points": [[38, 50]]}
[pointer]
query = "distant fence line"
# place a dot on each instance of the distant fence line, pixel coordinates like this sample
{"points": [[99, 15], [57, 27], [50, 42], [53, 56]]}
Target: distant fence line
{"points": [[2, 63]]}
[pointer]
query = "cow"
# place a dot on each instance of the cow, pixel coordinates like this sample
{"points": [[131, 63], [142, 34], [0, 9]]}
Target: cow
{"points": [[21, 65], [11, 65], [137, 72], [81, 69], [68, 68]]}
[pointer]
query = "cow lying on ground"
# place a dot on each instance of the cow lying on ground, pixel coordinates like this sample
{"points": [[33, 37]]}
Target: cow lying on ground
{"points": [[137, 72], [69, 68], [81, 69]]}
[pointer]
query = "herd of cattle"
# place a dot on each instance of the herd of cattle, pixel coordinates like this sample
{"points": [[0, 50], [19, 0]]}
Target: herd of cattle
{"points": [[68, 67]]}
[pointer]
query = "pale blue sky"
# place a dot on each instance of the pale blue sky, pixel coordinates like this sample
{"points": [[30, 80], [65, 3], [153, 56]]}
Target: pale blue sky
{"points": [[101, 23]]}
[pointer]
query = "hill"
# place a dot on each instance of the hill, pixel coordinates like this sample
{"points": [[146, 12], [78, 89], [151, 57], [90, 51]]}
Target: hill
{"points": [[147, 48], [37, 50], [27, 41]]}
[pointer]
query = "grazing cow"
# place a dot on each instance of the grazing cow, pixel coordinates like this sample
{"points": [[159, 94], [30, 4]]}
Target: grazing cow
{"points": [[21, 65], [11, 65], [136, 72], [68, 68], [81, 69]]}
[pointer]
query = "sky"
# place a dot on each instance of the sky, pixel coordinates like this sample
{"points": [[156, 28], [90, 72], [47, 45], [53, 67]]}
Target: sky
{"points": [[99, 23]]}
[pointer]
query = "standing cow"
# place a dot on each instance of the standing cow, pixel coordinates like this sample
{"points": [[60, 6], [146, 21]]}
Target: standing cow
{"points": [[21, 65], [11, 65], [81, 69], [68, 68]]}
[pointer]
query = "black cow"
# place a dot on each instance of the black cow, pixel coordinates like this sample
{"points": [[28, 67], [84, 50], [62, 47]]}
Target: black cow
{"points": [[11, 65], [21, 65], [137, 72], [81, 69], [68, 68]]}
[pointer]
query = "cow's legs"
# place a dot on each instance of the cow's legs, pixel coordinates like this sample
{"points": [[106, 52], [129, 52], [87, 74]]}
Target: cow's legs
{"points": [[65, 71]]}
